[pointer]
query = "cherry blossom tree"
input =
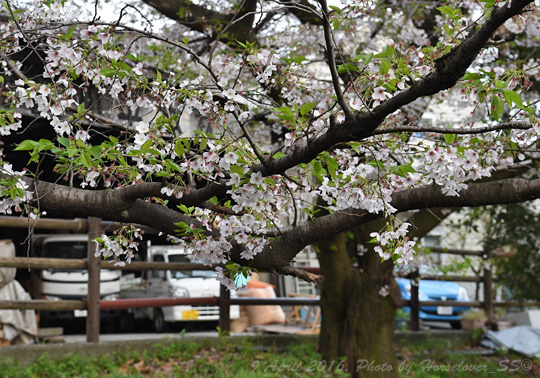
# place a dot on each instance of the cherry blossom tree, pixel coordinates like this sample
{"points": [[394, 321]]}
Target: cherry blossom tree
{"points": [[248, 130]]}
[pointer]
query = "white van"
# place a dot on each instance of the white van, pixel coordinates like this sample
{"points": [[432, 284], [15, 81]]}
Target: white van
{"points": [[175, 284]]}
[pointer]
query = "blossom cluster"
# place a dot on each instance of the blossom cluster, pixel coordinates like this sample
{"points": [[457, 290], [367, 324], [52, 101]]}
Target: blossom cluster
{"points": [[119, 248]]}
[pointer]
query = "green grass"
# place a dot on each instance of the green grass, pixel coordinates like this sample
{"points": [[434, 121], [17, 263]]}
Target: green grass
{"points": [[239, 358]]}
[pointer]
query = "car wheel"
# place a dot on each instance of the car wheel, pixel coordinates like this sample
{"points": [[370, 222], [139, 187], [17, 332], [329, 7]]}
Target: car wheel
{"points": [[160, 326], [456, 324]]}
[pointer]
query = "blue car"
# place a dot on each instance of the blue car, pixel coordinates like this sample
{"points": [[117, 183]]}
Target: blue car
{"points": [[437, 291]]}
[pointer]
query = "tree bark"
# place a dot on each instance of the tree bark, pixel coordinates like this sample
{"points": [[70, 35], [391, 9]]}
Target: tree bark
{"points": [[357, 321]]}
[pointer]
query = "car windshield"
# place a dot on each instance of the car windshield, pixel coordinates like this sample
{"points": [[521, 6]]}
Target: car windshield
{"points": [[189, 273], [66, 250]]}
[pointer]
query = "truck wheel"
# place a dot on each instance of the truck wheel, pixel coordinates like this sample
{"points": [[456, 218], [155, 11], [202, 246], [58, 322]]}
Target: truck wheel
{"points": [[159, 322]]}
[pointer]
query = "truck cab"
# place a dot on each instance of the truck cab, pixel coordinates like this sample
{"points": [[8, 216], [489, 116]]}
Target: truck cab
{"points": [[175, 284]]}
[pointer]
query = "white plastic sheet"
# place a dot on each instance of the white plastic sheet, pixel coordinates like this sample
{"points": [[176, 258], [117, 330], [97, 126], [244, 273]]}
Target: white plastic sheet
{"points": [[522, 339], [18, 326]]}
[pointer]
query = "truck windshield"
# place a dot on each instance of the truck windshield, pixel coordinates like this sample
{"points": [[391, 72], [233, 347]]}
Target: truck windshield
{"points": [[189, 273], [66, 250]]}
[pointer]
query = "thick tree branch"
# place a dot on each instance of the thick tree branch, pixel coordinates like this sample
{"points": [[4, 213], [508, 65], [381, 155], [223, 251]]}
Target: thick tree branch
{"points": [[196, 17], [520, 125], [200, 18], [478, 194], [125, 205], [304, 11]]}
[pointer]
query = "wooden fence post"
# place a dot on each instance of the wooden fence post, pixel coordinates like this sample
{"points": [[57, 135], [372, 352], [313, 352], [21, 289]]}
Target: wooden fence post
{"points": [[488, 290], [415, 303], [224, 308], [92, 300]]}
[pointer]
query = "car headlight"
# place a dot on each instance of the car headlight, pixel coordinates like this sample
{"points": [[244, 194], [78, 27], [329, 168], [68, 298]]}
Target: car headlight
{"points": [[179, 292], [463, 295], [110, 297]]}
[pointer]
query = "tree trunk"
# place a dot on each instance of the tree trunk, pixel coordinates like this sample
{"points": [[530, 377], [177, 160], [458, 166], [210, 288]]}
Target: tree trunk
{"points": [[357, 321]]}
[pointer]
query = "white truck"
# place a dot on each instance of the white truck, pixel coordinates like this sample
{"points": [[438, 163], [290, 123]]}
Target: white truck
{"points": [[174, 284], [58, 284]]}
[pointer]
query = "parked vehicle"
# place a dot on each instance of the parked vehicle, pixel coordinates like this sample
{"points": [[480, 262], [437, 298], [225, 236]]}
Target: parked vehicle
{"points": [[175, 284], [59, 284], [429, 290]]}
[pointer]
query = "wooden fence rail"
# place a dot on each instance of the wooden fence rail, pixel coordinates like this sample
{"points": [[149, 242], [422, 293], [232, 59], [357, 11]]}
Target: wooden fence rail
{"points": [[93, 304]]}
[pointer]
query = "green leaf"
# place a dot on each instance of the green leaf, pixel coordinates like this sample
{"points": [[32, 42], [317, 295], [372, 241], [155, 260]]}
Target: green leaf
{"points": [[355, 147], [449, 138], [286, 113], [67, 36], [172, 165], [449, 11], [317, 166], [72, 151], [306, 108], [44, 144], [332, 165], [448, 30], [497, 107], [185, 142], [452, 13], [183, 227], [146, 146], [86, 160], [108, 72], [368, 58], [237, 169], [95, 151], [384, 66], [299, 59], [179, 148], [203, 143], [26, 145], [278, 155], [403, 170], [512, 97], [489, 3], [472, 76], [501, 84], [348, 67]]}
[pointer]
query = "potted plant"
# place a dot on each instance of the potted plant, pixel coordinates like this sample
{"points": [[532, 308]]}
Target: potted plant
{"points": [[473, 319]]}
